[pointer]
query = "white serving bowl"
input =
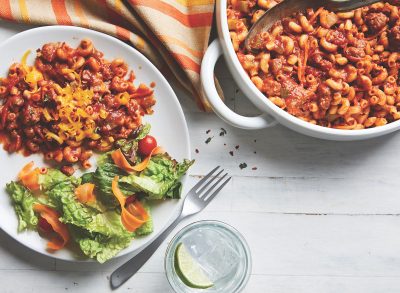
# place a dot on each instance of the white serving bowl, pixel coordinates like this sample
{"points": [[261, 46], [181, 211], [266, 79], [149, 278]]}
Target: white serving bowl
{"points": [[271, 113]]}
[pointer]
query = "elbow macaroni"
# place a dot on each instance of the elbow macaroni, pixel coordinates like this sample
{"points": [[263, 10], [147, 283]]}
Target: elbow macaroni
{"points": [[337, 70]]}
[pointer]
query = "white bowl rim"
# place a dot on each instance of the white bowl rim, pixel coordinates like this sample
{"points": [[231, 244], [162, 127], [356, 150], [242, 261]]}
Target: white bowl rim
{"points": [[271, 108]]}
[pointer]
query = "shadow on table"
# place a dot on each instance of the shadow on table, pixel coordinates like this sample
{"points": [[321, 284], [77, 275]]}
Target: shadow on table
{"points": [[295, 154]]}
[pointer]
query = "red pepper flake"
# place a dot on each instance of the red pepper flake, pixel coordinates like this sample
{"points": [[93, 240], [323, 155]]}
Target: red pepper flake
{"points": [[197, 151], [254, 168], [237, 147], [231, 153], [208, 131]]}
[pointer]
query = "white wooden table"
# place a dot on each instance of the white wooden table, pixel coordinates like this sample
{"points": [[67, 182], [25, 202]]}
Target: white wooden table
{"points": [[319, 216]]}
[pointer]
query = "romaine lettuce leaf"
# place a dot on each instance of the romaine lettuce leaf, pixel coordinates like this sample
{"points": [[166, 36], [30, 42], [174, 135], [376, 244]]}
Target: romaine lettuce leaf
{"points": [[145, 130], [99, 235], [99, 246], [73, 212], [160, 179], [23, 201], [103, 237], [53, 177], [87, 178], [103, 177], [108, 224]]}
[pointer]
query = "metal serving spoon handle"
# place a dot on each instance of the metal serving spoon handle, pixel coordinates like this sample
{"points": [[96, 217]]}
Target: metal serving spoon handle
{"points": [[346, 5], [288, 7]]}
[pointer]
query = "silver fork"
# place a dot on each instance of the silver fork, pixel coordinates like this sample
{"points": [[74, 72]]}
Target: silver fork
{"points": [[196, 200]]}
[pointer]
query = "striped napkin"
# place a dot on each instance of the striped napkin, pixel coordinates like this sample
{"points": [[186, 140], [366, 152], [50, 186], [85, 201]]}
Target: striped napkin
{"points": [[172, 34]]}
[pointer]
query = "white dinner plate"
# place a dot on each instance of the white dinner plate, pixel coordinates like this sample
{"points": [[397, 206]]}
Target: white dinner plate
{"points": [[168, 124]]}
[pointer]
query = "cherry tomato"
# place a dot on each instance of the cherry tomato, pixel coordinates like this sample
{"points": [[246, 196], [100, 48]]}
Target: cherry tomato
{"points": [[44, 226], [130, 200], [147, 144]]}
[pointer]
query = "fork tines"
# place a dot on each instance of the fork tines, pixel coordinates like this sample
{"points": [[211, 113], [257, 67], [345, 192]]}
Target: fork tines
{"points": [[203, 189]]}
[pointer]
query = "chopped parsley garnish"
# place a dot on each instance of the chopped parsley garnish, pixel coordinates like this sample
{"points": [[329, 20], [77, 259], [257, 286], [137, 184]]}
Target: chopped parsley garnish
{"points": [[223, 132], [243, 165]]}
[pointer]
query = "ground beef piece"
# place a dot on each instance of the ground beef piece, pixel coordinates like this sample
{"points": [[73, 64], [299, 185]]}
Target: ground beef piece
{"points": [[319, 62], [317, 73], [394, 37], [31, 115], [106, 71], [68, 170], [354, 54], [337, 37], [276, 65], [296, 97], [271, 87], [49, 52], [376, 21], [116, 118], [324, 95]]}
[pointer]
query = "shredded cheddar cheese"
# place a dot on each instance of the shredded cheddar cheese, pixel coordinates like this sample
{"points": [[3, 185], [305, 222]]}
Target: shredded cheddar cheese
{"points": [[33, 76], [74, 119]]}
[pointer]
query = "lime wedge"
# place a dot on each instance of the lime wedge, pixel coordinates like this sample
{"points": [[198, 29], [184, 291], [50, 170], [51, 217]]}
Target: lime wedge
{"points": [[189, 270]]}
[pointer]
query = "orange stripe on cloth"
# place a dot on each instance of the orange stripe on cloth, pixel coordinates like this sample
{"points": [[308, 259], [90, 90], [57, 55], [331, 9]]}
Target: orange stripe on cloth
{"points": [[191, 3], [186, 62], [175, 41], [60, 11], [5, 10], [122, 33], [24, 10], [190, 20], [81, 13]]}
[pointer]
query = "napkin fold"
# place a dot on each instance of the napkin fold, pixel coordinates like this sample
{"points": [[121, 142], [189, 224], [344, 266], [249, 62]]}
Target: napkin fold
{"points": [[172, 34]]}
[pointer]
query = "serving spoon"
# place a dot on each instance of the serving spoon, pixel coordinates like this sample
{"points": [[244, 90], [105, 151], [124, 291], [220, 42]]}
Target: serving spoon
{"points": [[288, 7]]}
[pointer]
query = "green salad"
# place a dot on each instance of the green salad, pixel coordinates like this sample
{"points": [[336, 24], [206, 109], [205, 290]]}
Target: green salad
{"points": [[85, 211]]}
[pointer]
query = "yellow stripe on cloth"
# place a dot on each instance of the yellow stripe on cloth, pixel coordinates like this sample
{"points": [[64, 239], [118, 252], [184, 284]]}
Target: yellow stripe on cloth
{"points": [[118, 5], [182, 44], [24, 10]]}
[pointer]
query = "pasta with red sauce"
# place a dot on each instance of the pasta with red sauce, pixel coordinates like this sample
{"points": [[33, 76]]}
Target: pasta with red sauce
{"points": [[70, 103], [337, 70]]}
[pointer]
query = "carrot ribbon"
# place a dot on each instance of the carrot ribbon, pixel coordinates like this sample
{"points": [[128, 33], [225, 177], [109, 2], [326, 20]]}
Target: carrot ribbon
{"points": [[134, 215], [29, 176], [52, 217], [84, 193], [120, 160]]}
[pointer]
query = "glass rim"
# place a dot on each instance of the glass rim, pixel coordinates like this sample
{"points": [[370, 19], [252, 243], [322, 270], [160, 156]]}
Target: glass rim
{"points": [[234, 232]]}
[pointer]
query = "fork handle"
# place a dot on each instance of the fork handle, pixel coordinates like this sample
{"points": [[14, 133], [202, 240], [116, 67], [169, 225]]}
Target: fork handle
{"points": [[345, 5], [128, 269]]}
